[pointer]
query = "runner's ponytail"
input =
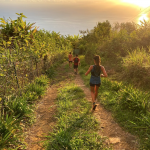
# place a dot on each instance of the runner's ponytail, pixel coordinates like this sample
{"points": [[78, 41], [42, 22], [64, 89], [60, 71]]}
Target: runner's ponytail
{"points": [[97, 60]]}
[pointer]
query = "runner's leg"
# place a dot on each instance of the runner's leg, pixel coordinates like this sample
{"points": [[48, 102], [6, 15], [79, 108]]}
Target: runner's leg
{"points": [[96, 91], [95, 96], [75, 69], [92, 95]]}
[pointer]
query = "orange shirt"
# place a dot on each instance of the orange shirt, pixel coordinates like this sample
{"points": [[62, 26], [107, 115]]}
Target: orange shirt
{"points": [[70, 57]]}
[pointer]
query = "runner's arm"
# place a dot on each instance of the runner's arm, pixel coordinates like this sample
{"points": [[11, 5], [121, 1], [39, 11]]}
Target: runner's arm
{"points": [[104, 72], [89, 70], [79, 62]]}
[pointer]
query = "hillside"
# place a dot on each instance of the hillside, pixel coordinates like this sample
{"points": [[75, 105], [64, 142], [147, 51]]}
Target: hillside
{"points": [[45, 106]]}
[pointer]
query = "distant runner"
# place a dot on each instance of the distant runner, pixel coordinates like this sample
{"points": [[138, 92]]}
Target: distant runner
{"points": [[76, 61], [95, 80], [70, 59]]}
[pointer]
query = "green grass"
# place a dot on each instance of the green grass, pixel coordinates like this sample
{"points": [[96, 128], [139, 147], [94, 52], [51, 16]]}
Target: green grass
{"points": [[137, 57], [76, 126], [19, 114], [129, 106], [50, 72]]}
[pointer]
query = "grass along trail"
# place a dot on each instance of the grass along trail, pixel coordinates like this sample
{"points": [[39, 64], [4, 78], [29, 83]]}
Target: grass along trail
{"points": [[49, 127], [117, 137], [46, 111]]}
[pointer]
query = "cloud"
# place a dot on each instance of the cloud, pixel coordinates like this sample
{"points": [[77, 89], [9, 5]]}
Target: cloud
{"points": [[83, 10]]}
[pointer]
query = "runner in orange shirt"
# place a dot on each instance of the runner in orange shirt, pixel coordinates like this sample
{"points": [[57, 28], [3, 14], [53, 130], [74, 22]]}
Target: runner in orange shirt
{"points": [[70, 59]]}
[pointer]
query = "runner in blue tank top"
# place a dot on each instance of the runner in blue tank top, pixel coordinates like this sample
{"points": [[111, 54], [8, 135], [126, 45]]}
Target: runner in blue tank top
{"points": [[97, 71]]}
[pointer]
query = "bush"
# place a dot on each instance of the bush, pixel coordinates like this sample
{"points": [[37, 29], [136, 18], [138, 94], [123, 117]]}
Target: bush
{"points": [[50, 72], [8, 127], [30, 96], [134, 100], [18, 107], [39, 90], [42, 81]]}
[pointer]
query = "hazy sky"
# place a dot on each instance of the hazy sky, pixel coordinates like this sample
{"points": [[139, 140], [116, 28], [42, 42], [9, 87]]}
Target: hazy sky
{"points": [[70, 16]]}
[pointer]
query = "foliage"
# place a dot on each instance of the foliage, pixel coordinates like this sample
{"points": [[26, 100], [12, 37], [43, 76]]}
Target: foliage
{"points": [[102, 31], [26, 53], [134, 100], [19, 110], [74, 40], [30, 96], [18, 107], [137, 57], [124, 49], [8, 128], [50, 72], [42, 81], [128, 26], [116, 41], [39, 90], [136, 67]]}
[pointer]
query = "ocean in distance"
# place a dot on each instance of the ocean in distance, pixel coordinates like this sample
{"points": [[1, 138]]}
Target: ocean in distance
{"points": [[63, 26], [67, 20]]}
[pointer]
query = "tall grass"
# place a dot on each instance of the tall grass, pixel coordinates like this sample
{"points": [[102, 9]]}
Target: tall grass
{"points": [[129, 106], [136, 68], [137, 57], [19, 114]]}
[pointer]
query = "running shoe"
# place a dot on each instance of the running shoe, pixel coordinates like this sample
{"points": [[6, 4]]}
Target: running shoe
{"points": [[94, 107]]}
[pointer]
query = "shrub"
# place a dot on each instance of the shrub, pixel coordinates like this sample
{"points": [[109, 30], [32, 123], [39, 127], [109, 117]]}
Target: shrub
{"points": [[50, 72], [18, 107], [8, 127], [33, 87], [42, 80], [30, 96], [134, 100]]}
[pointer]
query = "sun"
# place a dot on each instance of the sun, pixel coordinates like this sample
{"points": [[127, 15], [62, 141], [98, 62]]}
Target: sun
{"points": [[141, 3], [142, 18]]}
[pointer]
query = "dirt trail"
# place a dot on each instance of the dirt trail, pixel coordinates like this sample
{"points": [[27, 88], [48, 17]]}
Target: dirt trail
{"points": [[46, 110], [44, 120], [119, 139]]}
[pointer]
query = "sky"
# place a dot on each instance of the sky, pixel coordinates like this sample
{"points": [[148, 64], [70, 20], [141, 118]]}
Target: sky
{"points": [[70, 16]]}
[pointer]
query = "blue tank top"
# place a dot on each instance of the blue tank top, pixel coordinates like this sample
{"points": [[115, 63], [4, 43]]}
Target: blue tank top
{"points": [[95, 75]]}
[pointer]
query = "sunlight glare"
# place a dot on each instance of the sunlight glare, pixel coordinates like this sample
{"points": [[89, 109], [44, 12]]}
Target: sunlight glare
{"points": [[141, 3], [142, 18]]}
